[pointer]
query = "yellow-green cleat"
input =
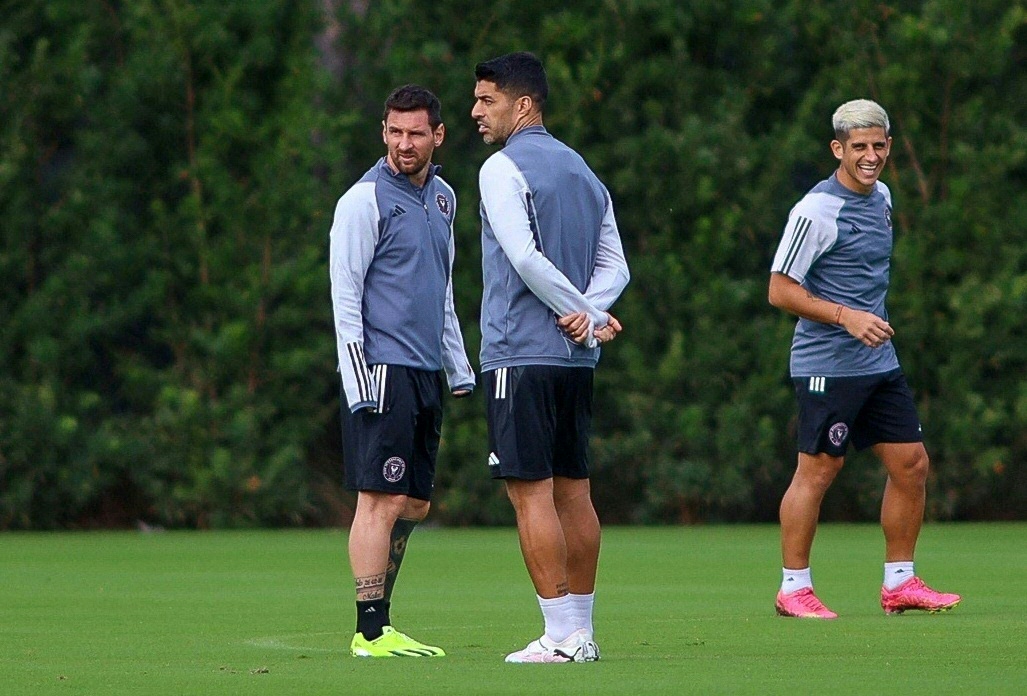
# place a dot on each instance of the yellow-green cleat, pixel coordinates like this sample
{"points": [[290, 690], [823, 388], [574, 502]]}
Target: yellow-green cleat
{"points": [[392, 643]]}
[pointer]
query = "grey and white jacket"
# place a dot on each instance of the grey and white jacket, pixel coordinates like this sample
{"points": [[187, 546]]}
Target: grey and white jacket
{"points": [[390, 261], [550, 247]]}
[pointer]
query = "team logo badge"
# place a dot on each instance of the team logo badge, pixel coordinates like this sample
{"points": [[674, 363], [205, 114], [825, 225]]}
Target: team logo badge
{"points": [[443, 204], [394, 469], [837, 434], [887, 215]]}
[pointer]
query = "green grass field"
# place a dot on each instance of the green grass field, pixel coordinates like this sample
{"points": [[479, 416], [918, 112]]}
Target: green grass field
{"points": [[679, 611]]}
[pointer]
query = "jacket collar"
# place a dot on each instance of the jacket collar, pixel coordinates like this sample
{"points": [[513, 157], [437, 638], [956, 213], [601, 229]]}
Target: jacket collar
{"points": [[530, 130]]}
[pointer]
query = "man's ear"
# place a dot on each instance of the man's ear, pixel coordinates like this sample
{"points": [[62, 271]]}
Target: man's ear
{"points": [[838, 149], [440, 134]]}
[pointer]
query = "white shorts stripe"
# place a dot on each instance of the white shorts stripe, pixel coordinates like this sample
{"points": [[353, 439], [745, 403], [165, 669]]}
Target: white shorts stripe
{"points": [[382, 377], [500, 392]]}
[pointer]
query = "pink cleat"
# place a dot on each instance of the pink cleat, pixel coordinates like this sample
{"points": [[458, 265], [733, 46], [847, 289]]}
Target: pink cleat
{"points": [[577, 647], [914, 594], [802, 604]]}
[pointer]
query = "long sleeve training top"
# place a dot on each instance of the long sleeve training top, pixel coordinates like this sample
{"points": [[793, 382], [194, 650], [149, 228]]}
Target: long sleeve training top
{"points": [[390, 261], [550, 247]]}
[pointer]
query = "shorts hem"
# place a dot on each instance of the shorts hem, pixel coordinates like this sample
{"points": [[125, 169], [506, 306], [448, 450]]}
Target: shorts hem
{"points": [[501, 476], [860, 447], [372, 489]]}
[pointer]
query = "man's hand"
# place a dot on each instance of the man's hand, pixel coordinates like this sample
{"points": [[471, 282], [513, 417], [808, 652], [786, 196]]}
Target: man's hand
{"points": [[575, 326], [869, 328], [610, 331]]}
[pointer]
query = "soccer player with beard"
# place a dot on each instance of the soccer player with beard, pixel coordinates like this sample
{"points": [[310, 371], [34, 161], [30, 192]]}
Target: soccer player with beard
{"points": [[552, 265], [391, 262]]}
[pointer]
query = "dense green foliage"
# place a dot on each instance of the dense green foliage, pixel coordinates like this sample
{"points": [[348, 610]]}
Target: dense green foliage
{"points": [[168, 172], [267, 612]]}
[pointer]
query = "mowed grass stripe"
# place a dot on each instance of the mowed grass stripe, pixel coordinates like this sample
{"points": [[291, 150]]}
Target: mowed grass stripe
{"points": [[679, 610]]}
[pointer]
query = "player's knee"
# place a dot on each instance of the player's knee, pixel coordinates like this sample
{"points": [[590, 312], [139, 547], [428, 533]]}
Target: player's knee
{"points": [[915, 468], [382, 505], [823, 477], [818, 472], [525, 495], [518, 497], [416, 509], [568, 493]]}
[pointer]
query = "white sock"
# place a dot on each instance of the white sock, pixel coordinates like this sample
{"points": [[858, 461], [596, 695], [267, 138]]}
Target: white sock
{"points": [[583, 604], [897, 573], [792, 580], [559, 616]]}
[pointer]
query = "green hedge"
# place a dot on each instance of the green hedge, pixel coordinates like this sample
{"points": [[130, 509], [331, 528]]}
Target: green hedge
{"points": [[168, 172]]}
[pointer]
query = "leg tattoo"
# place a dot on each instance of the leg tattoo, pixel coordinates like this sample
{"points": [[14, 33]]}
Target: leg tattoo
{"points": [[397, 548], [371, 587]]}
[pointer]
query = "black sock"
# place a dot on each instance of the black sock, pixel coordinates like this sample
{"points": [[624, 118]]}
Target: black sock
{"points": [[371, 617]]}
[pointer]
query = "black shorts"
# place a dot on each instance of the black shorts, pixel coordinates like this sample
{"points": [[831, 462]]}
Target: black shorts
{"points": [[392, 448], [866, 410], [539, 421]]}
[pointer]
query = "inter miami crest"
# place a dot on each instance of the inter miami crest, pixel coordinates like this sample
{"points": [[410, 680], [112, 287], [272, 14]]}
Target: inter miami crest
{"points": [[838, 433], [394, 469], [443, 203]]}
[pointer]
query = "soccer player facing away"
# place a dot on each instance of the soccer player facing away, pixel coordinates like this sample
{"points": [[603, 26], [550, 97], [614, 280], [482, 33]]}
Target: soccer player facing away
{"points": [[831, 269], [553, 265], [396, 329]]}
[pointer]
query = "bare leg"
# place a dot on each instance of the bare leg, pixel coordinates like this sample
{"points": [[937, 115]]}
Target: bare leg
{"points": [[581, 532], [800, 507], [369, 541], [542, 542], [902, 508]]}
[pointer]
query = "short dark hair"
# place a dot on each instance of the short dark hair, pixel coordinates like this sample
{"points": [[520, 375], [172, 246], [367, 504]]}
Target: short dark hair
{"points": [[516, 74], [414, 98]]}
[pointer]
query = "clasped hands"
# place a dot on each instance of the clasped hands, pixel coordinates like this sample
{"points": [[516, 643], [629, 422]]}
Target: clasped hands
{"points": [[576, 327]]}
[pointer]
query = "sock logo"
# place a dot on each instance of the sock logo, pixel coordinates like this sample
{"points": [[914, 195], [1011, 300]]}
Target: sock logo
{"points": [[394, 469]]}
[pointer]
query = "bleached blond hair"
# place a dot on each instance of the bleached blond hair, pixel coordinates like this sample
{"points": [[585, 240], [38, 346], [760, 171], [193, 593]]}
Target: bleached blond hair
{"points": [[859, 113]]}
